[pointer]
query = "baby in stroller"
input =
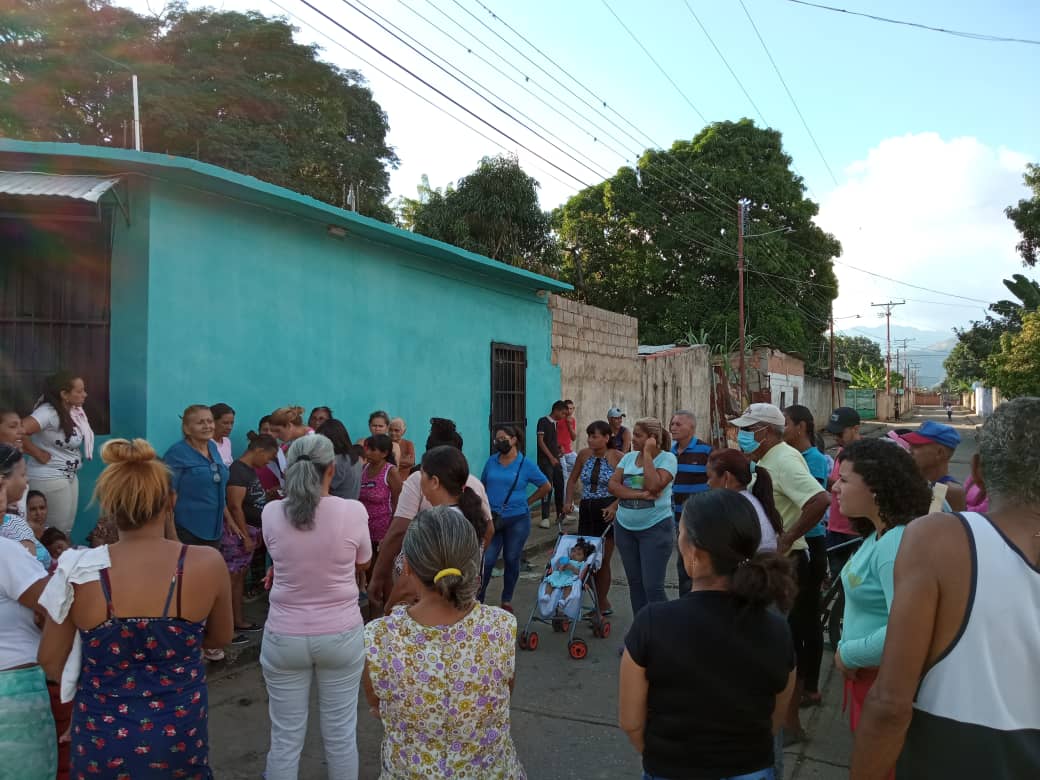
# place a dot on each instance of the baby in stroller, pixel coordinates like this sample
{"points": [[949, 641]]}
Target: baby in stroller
{"points": [[566, 574]]}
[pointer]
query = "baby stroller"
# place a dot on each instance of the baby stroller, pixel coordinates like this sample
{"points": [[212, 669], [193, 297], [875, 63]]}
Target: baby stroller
{"points": [[580, 602]]}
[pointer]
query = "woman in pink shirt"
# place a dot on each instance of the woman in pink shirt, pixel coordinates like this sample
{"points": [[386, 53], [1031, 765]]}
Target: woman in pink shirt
{"points": [[317, 543]]}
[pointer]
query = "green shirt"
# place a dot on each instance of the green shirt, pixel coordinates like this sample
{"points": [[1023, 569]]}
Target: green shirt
{"points": [[867, 579], [793, 484]]}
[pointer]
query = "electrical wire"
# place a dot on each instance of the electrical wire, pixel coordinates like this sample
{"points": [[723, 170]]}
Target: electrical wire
{"points": [[787, 89], [908, 284], [958, 33], [653, 59]]}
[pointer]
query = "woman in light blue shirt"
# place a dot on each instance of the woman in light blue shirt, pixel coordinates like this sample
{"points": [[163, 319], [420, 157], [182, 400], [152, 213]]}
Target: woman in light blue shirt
{"points": [[879, 489], [644, 530]]}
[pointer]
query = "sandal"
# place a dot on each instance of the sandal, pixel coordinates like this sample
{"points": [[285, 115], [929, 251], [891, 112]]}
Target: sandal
{"points": [[250, 627], [507, 607]]}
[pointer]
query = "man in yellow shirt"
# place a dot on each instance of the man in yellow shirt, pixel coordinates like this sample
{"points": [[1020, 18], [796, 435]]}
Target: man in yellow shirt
{"points": [[801, 504]]}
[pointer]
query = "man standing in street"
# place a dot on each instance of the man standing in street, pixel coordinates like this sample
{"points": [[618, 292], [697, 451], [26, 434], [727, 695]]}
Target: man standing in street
{"points": [[549, 461], [692, 476], [801, 503], [932, 446], [956, 693], [620, 436], [844, 425], [567, 438]]}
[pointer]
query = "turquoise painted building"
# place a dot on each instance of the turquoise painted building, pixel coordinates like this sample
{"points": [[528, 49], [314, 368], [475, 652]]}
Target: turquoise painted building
{"points": [[167, 282]]}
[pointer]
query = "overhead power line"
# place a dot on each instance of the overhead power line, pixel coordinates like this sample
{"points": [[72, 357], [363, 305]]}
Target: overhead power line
{"points": [[787, 89], [653, 59], [915, 286], [958, 33]]}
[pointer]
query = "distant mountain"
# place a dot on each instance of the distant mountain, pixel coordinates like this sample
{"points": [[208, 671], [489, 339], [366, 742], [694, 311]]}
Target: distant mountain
{"points": [[929, 348]]}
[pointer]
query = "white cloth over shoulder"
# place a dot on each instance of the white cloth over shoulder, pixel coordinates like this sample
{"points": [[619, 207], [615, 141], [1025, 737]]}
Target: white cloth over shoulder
{"points": [[75, 567]]}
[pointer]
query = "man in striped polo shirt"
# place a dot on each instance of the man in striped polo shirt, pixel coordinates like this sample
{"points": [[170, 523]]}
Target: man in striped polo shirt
{"points": [[692, 476]]}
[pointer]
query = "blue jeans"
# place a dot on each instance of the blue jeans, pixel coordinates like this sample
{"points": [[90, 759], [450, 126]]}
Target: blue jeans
{"points": [[645, 554], [510, 543], [762, 774]]}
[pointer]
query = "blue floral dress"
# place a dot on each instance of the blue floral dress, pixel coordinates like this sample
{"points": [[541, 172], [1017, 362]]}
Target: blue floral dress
{"points": [[140, 707]]}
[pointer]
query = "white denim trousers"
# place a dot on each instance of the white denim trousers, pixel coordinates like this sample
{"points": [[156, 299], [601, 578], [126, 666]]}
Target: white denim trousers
{"points": [[290, 664]]}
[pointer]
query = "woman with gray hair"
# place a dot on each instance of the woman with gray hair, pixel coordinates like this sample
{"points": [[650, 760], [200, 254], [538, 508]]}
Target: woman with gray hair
{"points": [[439, 673], [317, 544]]}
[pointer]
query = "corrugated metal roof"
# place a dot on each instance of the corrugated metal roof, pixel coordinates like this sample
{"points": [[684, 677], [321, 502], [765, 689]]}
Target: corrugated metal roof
{"points": [[88, 188]]}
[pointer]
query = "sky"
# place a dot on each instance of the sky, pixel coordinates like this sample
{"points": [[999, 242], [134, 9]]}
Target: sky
{"points": [[923, 137]]}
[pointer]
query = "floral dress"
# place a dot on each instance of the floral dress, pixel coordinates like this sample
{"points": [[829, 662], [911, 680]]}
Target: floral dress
{"points": [[140, 707], [444, 695]]}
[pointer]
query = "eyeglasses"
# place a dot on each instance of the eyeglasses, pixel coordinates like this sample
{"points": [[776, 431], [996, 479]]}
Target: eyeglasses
{"points": [[215, 469]]}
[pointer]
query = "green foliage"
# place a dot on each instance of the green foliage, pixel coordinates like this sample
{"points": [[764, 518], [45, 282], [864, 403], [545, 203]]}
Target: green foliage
{"points": [[231, 89], [866, 375], [493, 211], [1015, 368], [1026, 216], [658, 242], [850, 351]]}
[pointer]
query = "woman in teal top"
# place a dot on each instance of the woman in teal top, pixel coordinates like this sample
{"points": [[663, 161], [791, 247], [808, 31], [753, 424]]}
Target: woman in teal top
{"points": [[879, 489], [644, 530]]}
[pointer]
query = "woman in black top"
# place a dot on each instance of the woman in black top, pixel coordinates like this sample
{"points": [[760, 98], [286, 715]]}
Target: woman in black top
{"points": [[705, 679]]}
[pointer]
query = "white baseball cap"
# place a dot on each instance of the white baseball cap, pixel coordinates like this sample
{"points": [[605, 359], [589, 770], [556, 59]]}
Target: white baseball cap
{"points": [[615, 411], [756, 414]]}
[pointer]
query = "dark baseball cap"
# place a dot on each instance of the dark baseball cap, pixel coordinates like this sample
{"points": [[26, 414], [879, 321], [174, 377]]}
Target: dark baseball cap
{"points": [[841, 418]]}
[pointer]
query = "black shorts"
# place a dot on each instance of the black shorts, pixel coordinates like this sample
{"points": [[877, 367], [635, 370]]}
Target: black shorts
{"points": [[187, 537], [590, 517]]}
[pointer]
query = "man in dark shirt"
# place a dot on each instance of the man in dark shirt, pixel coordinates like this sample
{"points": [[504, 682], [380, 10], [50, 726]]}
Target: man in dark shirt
{"points": [[692, 476], [549, 461]]}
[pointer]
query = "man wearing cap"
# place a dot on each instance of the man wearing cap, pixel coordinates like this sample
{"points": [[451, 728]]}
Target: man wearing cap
{"points": [[844, 425], [620, 436], [932, 445], [801, 504]]}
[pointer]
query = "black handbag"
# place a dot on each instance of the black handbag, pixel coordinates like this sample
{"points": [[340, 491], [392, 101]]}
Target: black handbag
{"points": [[496, 517]]}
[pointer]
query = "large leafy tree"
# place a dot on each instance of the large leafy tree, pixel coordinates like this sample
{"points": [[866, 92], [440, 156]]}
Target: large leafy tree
{"points": [[231, 89], [658, 241], [493, 211], [1015, 368], [1026, 216], [852, 351]]}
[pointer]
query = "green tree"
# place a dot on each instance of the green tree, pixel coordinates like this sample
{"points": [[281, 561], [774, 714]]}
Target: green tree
{"points": [[232, 89], [849, 351], [867, 375], [1026, 216], [493, 211], [1015, 368], [658, 241]]}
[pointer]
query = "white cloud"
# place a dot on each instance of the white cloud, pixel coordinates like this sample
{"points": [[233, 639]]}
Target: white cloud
{"points": [[930, 212]]}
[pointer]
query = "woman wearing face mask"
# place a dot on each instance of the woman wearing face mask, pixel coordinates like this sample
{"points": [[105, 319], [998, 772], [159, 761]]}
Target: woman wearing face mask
{"points": [[54, 435], [506, 476], [645, 528]]}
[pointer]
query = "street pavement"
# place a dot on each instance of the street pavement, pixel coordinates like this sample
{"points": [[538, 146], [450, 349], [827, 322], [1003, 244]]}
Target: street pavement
{"points": [[564, 712]]}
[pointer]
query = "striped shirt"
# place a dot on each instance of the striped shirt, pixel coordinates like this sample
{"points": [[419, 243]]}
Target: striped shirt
{"points": [[692, 476]]}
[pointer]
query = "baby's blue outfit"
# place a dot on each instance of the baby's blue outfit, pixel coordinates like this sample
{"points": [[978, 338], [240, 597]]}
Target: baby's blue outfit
{"points": [[563, 579]]}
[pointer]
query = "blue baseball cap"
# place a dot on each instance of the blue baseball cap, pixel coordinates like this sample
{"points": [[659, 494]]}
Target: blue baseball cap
{"points": [[933, 433]]}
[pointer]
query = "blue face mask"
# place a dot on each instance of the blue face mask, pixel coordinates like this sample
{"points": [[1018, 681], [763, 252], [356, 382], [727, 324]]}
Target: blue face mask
{"points": [[746, 441]]}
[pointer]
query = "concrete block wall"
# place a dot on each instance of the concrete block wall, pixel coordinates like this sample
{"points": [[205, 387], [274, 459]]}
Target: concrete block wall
{"points": [[678, 380], [597, 352]]}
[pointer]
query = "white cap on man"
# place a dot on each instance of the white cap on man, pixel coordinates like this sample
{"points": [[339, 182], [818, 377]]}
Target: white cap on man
{"points": [[758, 414], [614, 412]]}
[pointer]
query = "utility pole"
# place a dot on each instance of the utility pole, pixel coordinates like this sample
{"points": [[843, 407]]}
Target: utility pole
{"points": [[834, 383], [740, 297], [137, 114], [888, 339], [902, 347]]}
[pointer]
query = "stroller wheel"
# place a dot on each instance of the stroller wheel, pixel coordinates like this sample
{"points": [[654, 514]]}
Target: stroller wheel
{"points": [[532, 640], [578, 649]]}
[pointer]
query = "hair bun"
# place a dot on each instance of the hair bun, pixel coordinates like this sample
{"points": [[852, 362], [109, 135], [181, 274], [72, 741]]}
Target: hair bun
{"points": [[127, 451], [252, 436]]}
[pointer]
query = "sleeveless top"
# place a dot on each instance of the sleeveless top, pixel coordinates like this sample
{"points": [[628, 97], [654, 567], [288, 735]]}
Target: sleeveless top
{"points": [[596, 488], [375, 495], [617, 440], [140, 706], [977, 712]]}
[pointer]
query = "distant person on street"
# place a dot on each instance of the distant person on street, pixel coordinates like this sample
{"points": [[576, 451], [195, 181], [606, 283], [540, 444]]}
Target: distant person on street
{"points": [[949, 411], [705, 679], [932, 446], [645, 527], [439, 673], [956, 694], [691, 477], [567, 438], [844, 426], [880, 487], [549, 461], [620, 436], [801, 503]]}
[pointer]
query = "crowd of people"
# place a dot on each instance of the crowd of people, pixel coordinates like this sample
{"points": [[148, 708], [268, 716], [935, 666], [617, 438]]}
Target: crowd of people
{"points": [[377, 562]]}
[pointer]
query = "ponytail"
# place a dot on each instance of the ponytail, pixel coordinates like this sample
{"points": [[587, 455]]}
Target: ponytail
{"points": [[307, 459], [765, 579], [473, 509], [763, 491]]}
